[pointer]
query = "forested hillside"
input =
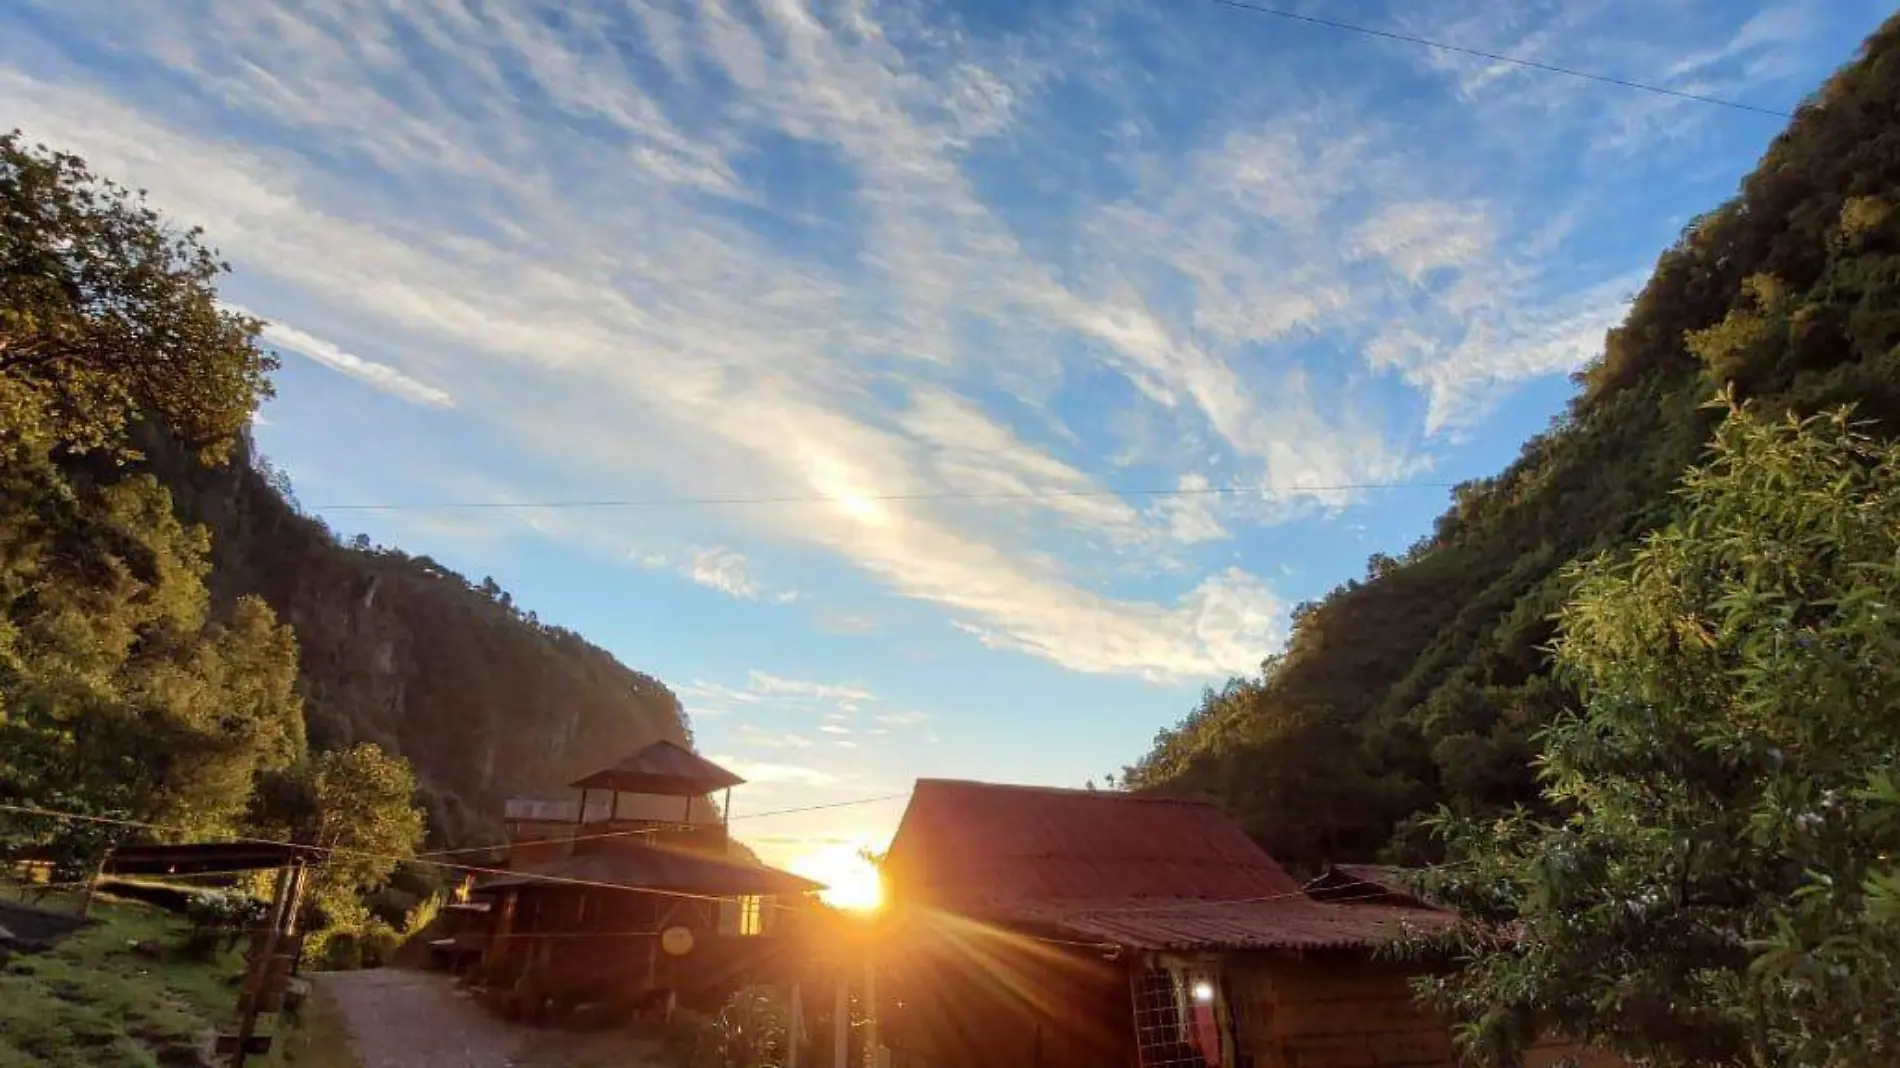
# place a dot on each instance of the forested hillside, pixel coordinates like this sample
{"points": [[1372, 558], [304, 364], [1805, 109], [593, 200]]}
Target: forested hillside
{"points": [[175, 636], [479, 695], [1425, 682]]}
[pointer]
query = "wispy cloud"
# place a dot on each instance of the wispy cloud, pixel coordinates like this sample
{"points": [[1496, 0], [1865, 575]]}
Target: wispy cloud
{"points": [[379, 375], [939, 274], [766, 684], [716, 568]]}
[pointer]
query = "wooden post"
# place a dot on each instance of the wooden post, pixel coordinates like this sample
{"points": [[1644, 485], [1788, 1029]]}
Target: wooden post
{"points": [[794, 1025], [92, 884], [841, 1023], [263, 952], [299, 875], [870, 1009], [725, 810], [501, 939]]}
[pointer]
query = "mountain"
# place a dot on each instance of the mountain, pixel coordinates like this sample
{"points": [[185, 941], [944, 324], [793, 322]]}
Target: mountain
{"points": [[482, 698], [1425, 682]]}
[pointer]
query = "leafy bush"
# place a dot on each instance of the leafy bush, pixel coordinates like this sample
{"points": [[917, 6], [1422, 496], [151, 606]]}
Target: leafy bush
{"points": [[219, 920], [380, 942], [1718, 885], [752, 1030], [338, 951]]}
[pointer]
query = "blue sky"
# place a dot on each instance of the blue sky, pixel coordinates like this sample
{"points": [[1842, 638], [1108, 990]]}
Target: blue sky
{"points": [[1039, 252]]}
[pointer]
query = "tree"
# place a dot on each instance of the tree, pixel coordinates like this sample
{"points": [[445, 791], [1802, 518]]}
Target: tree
{"points": [[358, 802], [121, 690], [108, 316], [1719, 882], [116, 684]]}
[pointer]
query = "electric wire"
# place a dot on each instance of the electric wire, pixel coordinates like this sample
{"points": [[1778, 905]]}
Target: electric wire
{"points": [[1059, 919], [878, 498], [630, 832], [1498, 57]]}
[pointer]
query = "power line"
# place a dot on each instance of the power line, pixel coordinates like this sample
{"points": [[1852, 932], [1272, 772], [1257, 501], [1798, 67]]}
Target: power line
{"points": [[654, 830], [819, 808], [1390, 35], [880, 498], [472, 869], [1077, 914]]}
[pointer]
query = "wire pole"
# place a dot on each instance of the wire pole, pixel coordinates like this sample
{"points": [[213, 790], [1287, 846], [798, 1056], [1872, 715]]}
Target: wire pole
{"points": [[870, 1008], [841, 1022]]}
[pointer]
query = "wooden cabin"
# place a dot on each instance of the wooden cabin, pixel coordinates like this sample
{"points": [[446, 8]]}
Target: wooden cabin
{"points": [[639, 897], [1048, 928]]}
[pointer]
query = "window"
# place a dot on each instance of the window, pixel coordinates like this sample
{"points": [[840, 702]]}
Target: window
{"points": [[751, 915]]}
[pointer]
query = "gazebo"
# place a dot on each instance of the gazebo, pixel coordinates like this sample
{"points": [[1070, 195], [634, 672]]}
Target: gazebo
{"points": [[640, 899]]}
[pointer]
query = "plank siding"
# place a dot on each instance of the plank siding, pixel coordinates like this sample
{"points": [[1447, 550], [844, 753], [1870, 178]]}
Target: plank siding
{"points": [[1326, 1013]]}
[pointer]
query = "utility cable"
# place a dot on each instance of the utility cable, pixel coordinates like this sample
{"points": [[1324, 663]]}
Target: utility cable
{"points": [[471, 869], [879, 498], [1532, 64], [655, 830]]}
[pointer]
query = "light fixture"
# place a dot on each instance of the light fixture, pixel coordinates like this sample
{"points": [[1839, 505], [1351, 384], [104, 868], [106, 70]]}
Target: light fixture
{"points": [[1203, 991]]}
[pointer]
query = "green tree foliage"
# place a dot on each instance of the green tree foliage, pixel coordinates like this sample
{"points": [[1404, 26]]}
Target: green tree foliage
{"points": [[107, 316], [1426, 682], [1717, 881], [364, 808], [121, 690], [358, 802], [124, 389]]}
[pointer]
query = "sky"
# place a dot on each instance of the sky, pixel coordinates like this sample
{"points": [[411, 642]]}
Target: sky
{"points": [[1017, 265]]}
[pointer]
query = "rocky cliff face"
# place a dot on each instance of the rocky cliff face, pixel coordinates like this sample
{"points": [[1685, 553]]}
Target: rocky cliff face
{"points": [[482, 699]]}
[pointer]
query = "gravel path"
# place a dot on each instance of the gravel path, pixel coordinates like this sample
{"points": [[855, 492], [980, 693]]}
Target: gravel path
{"points": [[399, 1018], [407, 1019]]}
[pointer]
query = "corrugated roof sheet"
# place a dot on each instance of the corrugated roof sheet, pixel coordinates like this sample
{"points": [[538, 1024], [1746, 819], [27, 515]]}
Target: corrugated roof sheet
{"points": [[1371, 883], [204, 858], [1136, 871], [988, 843], [645, 867], [1289, 923], [661, 768]]}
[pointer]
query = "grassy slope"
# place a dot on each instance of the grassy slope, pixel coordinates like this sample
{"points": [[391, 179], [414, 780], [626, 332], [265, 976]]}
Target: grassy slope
{"points": [[93, 1002]]}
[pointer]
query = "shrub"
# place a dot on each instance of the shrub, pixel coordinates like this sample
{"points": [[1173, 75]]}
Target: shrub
{"points": [[220, 919]]}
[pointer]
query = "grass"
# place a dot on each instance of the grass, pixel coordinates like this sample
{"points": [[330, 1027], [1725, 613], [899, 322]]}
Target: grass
{"points": [[93, 1001]]}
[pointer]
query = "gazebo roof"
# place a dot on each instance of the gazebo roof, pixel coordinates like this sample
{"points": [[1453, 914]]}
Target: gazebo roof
{"points": [[636, 866], [661, 768]]}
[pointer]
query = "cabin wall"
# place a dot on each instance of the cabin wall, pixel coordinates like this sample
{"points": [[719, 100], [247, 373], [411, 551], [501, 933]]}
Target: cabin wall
{"points": [[576, 943], [1333, 1012], [985, 999]]}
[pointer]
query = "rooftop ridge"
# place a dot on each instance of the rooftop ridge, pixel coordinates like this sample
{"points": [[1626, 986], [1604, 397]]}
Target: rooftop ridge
{"points": [[1076, 791]]}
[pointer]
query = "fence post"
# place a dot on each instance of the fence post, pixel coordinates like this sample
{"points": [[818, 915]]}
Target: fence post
{"points": [[841, 1022], [870, 1008]]}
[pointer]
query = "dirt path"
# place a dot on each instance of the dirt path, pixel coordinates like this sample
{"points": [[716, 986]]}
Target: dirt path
{"points": [[406, 1019], [399, 1018]]}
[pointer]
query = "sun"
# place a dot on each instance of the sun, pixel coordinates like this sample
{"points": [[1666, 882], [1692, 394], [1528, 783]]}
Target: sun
{"points": [[851, 882]]}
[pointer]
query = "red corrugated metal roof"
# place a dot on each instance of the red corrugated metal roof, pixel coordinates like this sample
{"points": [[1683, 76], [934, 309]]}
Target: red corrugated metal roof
{"points": [[984, 842], [1378, 883], [1137, 871], [1287, 923]]}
